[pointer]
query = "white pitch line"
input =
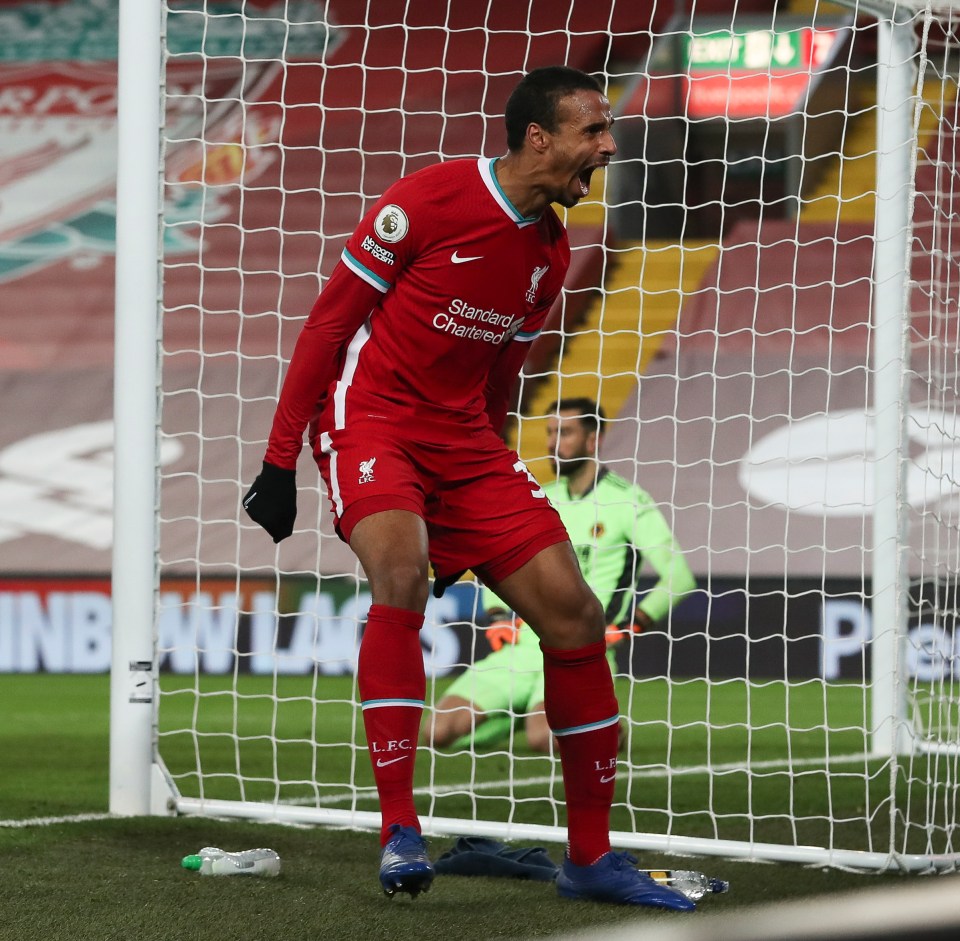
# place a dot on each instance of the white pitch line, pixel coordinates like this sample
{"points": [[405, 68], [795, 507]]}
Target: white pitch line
{"points": [[51, 821], [472, 787], [370, 793]]}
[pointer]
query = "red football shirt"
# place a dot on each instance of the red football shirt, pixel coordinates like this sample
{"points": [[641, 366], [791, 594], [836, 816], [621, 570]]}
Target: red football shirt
{"points": [[430, 312]]}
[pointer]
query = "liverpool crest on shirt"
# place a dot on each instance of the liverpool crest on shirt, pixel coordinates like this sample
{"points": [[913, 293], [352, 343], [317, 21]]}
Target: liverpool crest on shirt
{"points": [[535, 278]]}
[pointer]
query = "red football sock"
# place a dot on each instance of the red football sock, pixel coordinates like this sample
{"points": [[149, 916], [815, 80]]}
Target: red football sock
{"points": [[392, 687], [584, 715]]}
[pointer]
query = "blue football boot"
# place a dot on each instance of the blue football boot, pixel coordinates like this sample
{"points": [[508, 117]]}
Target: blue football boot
{"points": [[404, 864], [613, 878]]}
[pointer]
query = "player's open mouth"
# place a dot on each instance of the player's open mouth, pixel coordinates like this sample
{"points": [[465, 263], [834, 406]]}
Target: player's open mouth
{"points": [[584, 177]]}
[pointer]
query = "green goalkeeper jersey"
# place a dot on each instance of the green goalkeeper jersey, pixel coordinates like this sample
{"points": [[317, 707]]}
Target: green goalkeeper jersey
{"points": [[615, 527]]}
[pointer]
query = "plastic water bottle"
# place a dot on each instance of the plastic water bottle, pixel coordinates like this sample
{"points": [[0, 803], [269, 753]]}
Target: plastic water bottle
{"points": [[213, 861], [694, 885]]}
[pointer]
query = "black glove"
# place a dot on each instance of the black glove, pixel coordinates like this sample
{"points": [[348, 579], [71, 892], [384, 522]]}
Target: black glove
{"points": [[440, 585], [272, 500]]}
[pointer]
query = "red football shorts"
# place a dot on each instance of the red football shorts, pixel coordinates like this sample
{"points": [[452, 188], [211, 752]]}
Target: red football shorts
{"points": [[483, 509]]}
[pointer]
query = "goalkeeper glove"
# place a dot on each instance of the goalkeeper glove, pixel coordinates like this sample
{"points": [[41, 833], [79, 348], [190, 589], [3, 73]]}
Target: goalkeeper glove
{"points": [[616, 632], [503, 632], [272, 500]]}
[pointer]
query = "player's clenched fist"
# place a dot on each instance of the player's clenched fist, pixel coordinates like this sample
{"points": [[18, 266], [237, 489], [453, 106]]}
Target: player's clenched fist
{"points": [[272, 500]]}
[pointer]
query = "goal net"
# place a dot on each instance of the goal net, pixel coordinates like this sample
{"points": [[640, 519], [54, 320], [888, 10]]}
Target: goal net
{"points": [[763, 300]]}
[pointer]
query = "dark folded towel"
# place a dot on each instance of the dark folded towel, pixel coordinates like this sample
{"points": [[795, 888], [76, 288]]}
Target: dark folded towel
{"points": [[481, 856]]}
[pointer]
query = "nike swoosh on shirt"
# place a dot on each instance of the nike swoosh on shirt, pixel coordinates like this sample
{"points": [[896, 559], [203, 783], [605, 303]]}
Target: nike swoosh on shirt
{"points": [[604, 780], [460, 259], [382, 764]]}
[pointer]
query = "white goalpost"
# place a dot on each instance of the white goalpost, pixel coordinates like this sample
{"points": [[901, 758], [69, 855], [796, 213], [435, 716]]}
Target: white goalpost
{"points": [[132, 676], [764, 298]]}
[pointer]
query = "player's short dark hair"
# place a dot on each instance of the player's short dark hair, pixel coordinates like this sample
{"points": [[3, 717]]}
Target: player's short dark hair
{"points": [[589, 413], [537, 96]]}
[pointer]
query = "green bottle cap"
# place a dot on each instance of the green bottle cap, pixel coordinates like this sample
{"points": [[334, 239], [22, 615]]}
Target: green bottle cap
{"points": [[191, 862]]}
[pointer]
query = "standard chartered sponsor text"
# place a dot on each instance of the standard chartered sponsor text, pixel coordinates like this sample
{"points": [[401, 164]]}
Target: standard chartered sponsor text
{"points": [[446, 323]]}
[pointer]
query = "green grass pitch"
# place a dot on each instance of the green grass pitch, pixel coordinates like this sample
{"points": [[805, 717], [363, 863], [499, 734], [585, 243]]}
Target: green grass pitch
{"points": [[120, 878]]}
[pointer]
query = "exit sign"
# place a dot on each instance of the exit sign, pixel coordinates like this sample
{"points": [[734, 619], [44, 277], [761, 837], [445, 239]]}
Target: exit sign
{"points": [[757, 50]]}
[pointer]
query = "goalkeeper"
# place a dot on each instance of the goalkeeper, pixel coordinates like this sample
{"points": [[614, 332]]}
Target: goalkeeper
{"points": [[614, 526]]}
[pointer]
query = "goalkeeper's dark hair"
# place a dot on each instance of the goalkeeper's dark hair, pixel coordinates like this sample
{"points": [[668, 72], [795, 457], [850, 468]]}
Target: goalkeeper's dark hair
{"points": [[589, 413], [536, 97]]}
